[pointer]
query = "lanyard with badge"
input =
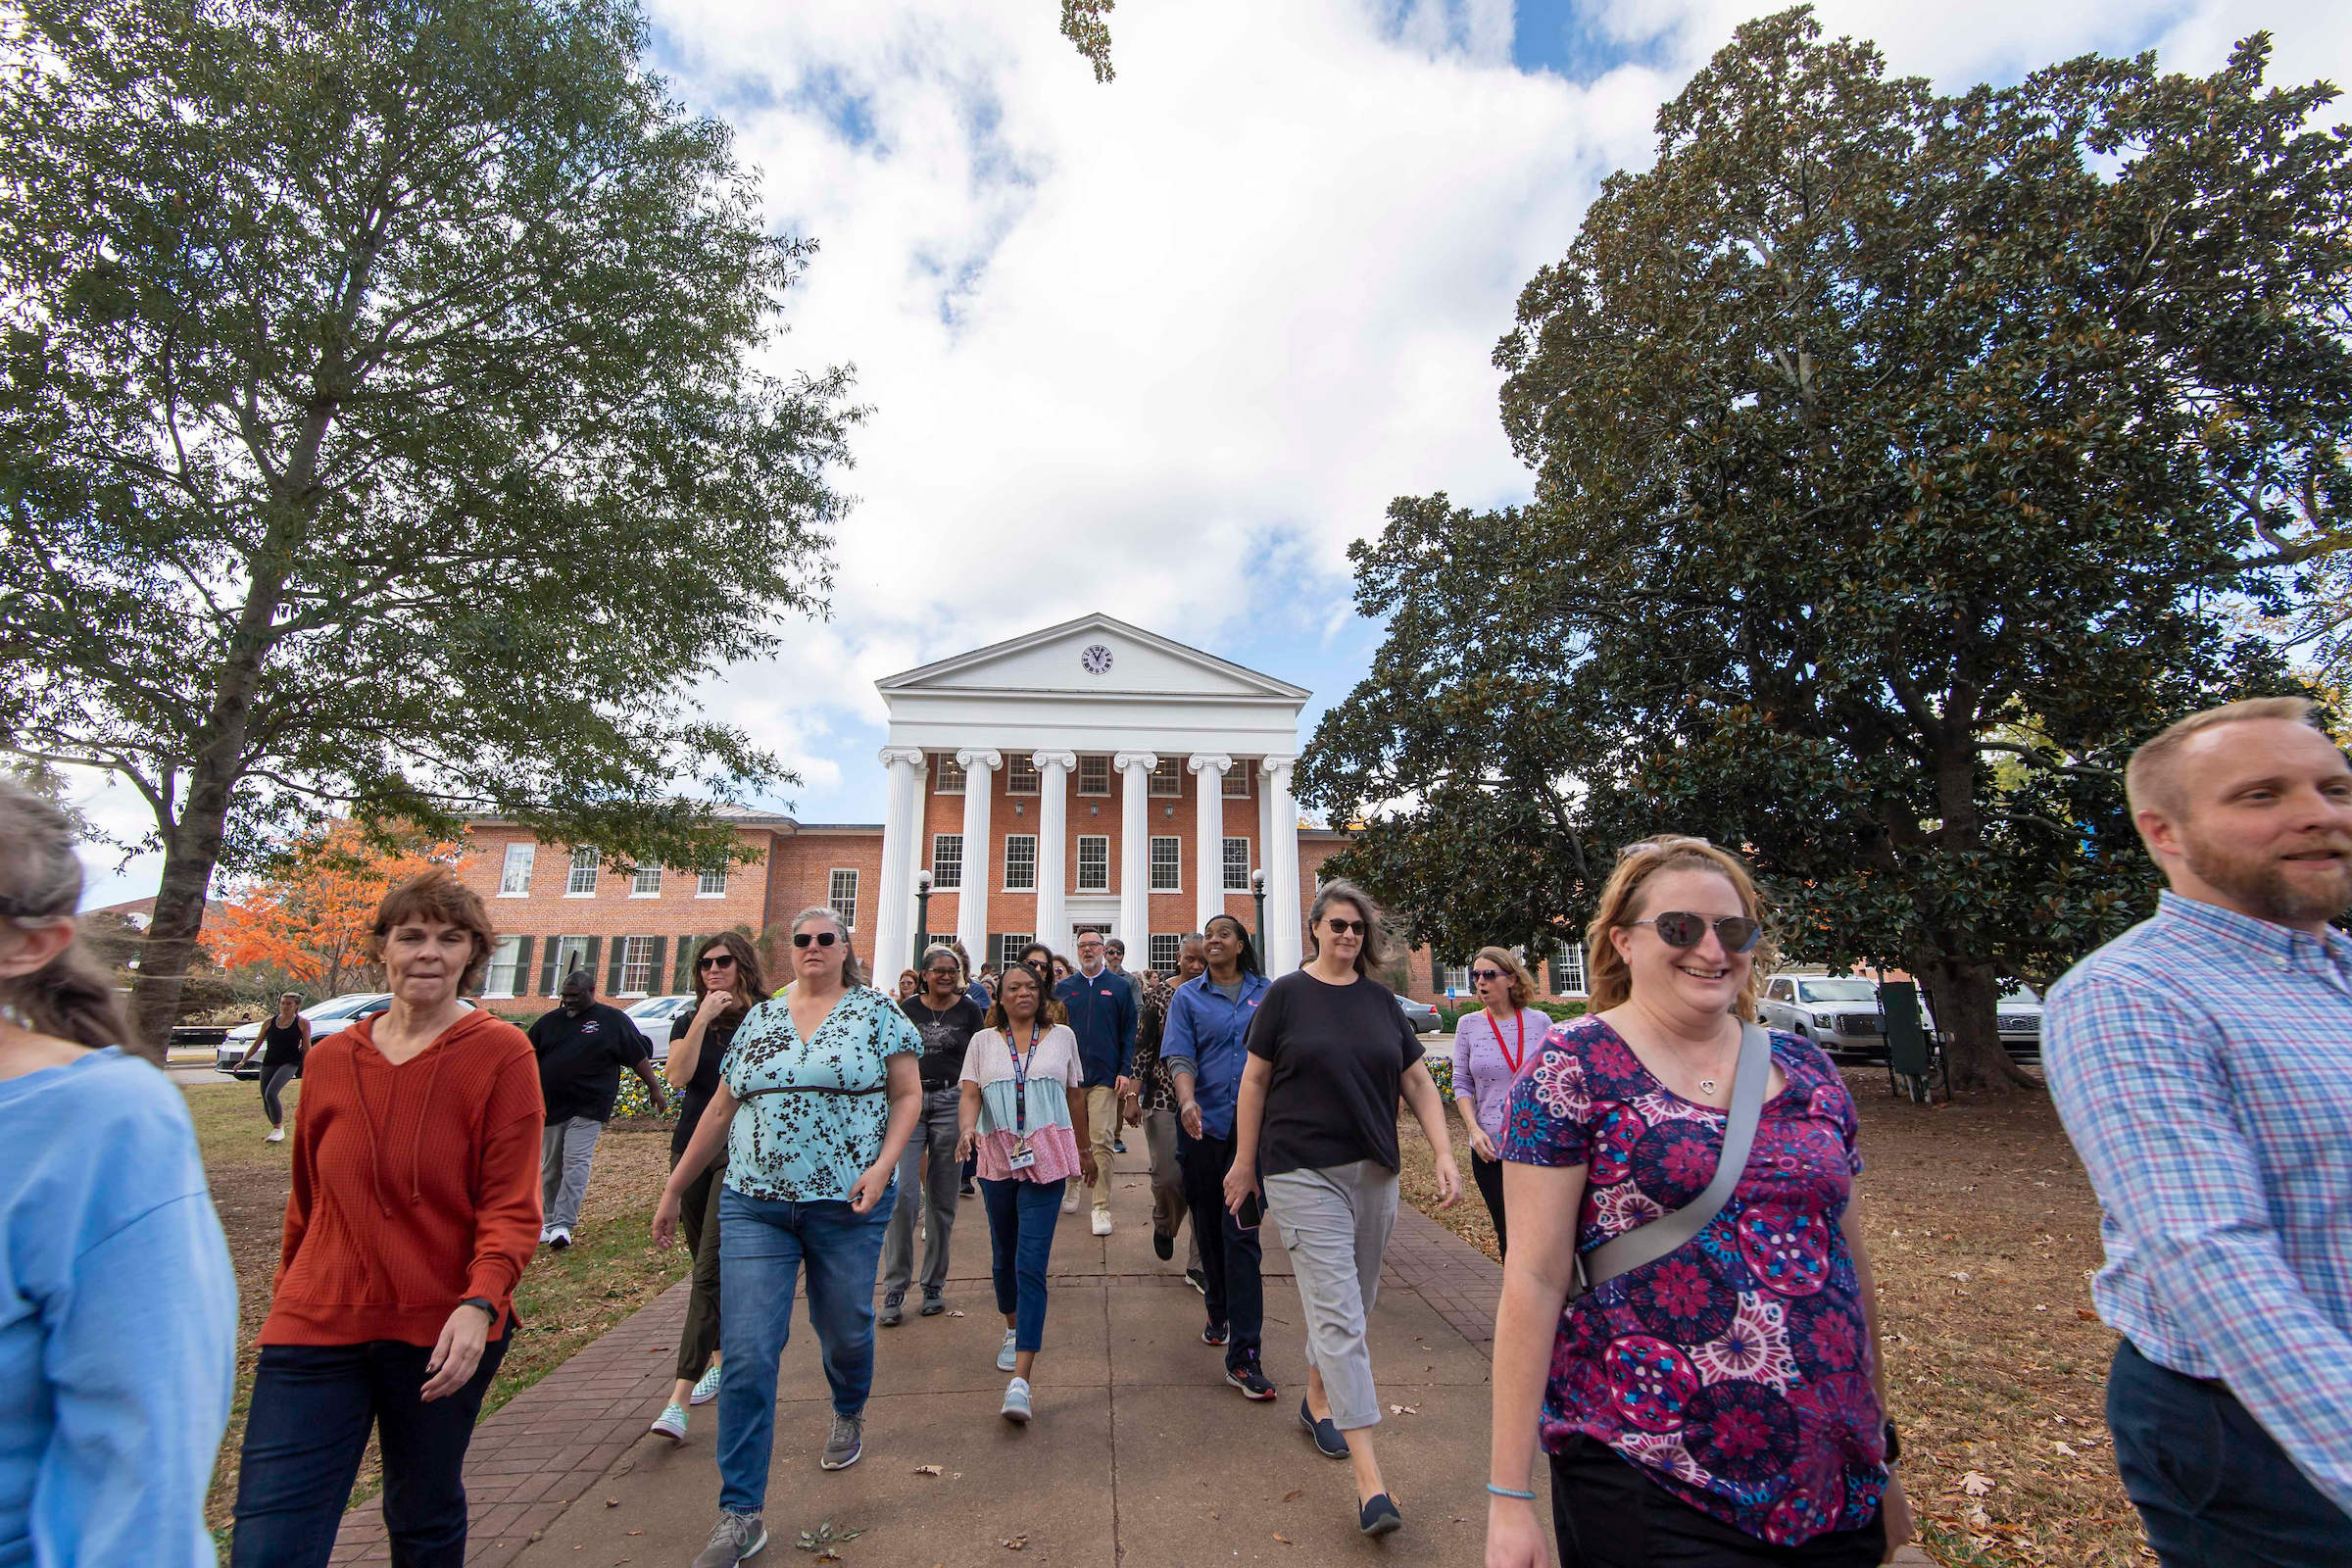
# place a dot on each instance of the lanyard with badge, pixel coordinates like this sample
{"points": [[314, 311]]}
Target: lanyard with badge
{"points": [[1023, 1156], [1508, 1060]]}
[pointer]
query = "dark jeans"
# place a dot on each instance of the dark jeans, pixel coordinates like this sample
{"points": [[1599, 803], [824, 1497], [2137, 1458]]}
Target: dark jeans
{"points": [[1021, 1216], [313, 1406], [2214, 1489], [1230, 1256], [764, 1243], [698, 1218], [1488, 1173], [1608, 1514]]}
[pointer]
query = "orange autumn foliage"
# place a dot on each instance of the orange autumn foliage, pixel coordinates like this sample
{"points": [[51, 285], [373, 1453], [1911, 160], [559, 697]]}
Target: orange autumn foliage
{"points": [[311, 917]]}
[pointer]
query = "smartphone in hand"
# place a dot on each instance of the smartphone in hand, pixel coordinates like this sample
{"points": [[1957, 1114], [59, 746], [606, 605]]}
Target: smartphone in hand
{"points": [[1248, 1217]]}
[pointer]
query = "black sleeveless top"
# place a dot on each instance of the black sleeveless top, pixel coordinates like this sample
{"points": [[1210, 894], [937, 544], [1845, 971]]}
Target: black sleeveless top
{"points": [[282, 1046]]}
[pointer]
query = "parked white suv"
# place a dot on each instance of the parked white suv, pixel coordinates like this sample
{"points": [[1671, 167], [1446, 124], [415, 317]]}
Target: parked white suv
{"points": [[1837, 1013], [2020, 1012], [329, 1017]]}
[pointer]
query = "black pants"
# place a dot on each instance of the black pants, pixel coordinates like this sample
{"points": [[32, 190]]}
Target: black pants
{"points": [[2214, 1489], [1230, 1256], [1488, 1173], [313, 1406], [1608, 1514], [698, 1220]]}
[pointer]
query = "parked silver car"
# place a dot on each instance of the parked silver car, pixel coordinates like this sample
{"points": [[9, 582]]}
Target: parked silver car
{"points": [[1421, 1016], [1837, 1013], [2020, 1011]]}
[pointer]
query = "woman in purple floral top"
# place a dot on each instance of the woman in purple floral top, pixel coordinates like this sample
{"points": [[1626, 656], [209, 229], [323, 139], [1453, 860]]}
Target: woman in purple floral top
{"points": [[1726, 1403]]}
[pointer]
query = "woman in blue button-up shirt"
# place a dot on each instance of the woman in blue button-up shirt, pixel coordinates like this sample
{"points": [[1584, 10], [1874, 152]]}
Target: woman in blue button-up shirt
{"points": [[1204, 1048]]}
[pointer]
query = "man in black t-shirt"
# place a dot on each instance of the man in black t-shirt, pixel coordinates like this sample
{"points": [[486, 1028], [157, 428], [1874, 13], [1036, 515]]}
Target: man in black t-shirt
{"points": [[583, 1045], [946, 1020]]}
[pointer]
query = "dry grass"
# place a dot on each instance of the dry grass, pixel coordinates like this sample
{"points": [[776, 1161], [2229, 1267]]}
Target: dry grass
{"points": [[565, 1299], [1985, 1233]]}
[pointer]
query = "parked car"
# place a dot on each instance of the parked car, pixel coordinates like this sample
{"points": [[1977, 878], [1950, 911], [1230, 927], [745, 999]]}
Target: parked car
{"points": [[652, 1017], [1421, 1016], [1837, 1013], [2020, 1012], [329, 1017]]}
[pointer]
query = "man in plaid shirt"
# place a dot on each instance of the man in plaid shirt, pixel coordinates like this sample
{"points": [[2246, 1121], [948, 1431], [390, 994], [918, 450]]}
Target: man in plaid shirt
{"points": [[2203, 1064], [1152, 1105]]}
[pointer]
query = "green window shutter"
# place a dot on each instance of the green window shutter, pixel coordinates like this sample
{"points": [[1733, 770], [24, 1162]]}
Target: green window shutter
{"points": [[588, 960], [620, 945], [547, 967], [653, 970], [522, 965]]}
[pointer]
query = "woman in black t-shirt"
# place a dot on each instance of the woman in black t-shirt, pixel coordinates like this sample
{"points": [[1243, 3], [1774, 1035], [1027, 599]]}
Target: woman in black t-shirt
{"points": [[946, 1020], [1330, 1055], [727, 984]]}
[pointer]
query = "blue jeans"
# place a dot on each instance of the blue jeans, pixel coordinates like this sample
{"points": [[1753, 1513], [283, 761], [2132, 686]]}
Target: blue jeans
{"points": [[306, 1428], [2213, 1488], [762, 1244], [1021, 1216]]}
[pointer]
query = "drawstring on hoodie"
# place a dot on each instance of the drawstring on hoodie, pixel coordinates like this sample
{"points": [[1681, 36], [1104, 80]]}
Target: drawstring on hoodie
{"points": [[376, 1163]]}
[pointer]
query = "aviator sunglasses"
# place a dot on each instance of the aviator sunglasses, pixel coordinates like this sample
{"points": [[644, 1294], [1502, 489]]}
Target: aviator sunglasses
{"points": [[1680, 929], [823, 939]]}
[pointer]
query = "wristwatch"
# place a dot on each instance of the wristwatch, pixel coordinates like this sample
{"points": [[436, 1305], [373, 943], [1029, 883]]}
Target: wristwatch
{"points": [[491, 1308]]}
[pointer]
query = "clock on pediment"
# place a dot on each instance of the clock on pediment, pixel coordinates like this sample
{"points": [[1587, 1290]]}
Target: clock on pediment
{"points": [[1095, 660]]}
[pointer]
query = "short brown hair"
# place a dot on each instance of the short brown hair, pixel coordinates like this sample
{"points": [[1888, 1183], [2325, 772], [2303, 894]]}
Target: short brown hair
{"points": [[2152, 778], [1522, 984], [436, 894], [1608, 977]]}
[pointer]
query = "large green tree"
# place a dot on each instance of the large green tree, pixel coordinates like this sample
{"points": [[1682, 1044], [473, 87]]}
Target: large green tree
{"points": [[384, 429], [1900, 460]]}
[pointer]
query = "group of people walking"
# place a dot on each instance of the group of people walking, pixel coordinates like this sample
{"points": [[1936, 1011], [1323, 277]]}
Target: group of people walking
{"points": [[1688, 1330]]}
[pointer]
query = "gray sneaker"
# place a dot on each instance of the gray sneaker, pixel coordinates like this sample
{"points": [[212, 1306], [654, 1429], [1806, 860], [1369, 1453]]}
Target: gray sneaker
{"points": [[893, 1312], [734, 1538], [846, 1443]]}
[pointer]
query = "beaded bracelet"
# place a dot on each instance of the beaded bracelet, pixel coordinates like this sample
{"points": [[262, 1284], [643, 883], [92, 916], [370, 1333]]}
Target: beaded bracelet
{"points": [[1506, 1491]]}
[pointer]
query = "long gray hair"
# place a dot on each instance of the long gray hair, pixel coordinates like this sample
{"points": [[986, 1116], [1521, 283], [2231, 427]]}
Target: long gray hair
{"points": [[1374, 954], [852, 972], [40, 884]]}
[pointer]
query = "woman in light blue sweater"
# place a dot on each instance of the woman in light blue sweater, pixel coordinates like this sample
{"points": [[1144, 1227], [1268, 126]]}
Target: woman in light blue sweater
{"points": [[118, 1308]]}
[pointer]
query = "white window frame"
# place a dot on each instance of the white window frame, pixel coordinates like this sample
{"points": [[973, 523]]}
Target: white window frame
{"points": [[1174, 863], [1570, 977], [567, 949], [1008, 949], [1162, 949], [636, 967], [835, 896], [1170, 773], [1012, 839], [1021, 776], [584, 859], [1457, 978], [1102, 843], [702, 885], [646, 884], [514, 873], [947, 774], [502, 963], [1093, 775], [1232, 883], [1237, 774], [942, 881]]}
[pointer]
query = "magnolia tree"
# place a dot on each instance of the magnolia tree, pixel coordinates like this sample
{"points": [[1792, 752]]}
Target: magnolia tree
{"points": [[1901, 460]]}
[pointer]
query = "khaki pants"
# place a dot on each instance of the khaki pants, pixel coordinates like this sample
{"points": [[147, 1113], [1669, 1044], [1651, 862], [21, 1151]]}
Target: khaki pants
{"points": [[1101, 1126]]}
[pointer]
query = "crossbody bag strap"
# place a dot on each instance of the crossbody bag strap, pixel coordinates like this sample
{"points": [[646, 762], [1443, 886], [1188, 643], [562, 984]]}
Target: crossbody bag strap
{"points": [[812, 1088], [1648, 1243]]}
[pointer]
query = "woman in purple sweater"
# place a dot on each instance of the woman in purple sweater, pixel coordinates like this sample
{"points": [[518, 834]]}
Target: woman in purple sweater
{"points": [[1491, 1050]]}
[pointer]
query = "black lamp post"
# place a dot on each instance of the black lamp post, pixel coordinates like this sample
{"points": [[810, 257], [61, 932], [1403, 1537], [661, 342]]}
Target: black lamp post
{"points": [[1257, 891], [922, 915]]}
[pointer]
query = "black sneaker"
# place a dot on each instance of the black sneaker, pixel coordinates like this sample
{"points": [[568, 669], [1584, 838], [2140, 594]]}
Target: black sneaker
{"points": [[1193, 1276], [1251, 1379], [1164, 1246], [933, 1303], [1328, 1440], [1216, 1334], [968, 1190]]}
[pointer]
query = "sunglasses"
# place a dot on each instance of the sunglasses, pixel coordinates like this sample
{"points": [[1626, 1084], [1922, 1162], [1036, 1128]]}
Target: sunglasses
{"points": [[720, 961], [823, 939], [1341, 928], [1482, 977], [1678, 929]]}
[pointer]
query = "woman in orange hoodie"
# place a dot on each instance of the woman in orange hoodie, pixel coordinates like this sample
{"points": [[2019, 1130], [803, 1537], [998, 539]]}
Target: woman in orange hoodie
{"points": [[415, 1205]]}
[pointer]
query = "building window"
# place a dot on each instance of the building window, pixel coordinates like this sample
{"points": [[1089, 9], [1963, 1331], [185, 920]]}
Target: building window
{"points": [[1093, 775], [1093, 865], [713, 884], [571, 953], [583, 871], [841, 895], [1237, 866], [648, 884], [637, 966], [502, 978], [1166, 947], [1168, 777], [1167, 860], [1236, 782], [947, 860], [1020, 776], [1020, 862], [947, 775], [1568, 971], [1457, 978], [1009, 948], [514, 877]]}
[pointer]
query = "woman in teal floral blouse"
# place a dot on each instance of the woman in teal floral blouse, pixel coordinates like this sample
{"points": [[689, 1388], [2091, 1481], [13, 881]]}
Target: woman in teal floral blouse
{"points": [[816, 1103]]}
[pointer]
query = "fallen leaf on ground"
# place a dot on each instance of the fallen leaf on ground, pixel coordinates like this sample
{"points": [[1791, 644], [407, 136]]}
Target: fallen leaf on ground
{"points": [[636, 1532], [1014, 1542], [928, 1470], [1293, 1495], [1404, 1409], [1976, 1483], [1285, 1540], [2066, 1448], [611, 1502], [2087, 1315], [954, 1313]]}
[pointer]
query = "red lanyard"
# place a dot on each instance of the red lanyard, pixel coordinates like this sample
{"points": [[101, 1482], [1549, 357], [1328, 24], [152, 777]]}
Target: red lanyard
{"points": [[1508, 1060]]}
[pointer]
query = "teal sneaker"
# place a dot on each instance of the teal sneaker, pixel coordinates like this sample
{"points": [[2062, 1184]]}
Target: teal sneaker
{"points": [[671, 1422], [707, 1390]]}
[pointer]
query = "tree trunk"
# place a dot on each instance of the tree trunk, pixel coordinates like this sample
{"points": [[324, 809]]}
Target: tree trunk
{"points": [[1966, 999], [190, 850]]}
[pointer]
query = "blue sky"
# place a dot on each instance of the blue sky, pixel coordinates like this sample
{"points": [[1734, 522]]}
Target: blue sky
{"points": [[1163, 348]]}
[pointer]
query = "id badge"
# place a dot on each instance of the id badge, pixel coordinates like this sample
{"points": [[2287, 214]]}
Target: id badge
{"points": [[1023, 1156]]}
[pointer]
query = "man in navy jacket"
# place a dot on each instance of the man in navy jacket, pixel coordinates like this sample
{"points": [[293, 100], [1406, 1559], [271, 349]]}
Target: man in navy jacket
{"points": [[1101, 1009]]}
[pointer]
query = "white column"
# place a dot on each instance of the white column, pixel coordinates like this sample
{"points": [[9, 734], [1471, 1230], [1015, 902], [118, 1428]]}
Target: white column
{"points": [[1135, 853], [1208, 855], [1053, 849], [1281, 866], [979, 863], [891, 925]]}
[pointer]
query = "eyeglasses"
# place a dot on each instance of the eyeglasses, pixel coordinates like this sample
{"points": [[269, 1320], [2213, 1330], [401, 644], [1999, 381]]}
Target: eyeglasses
{"points": [[1679, 929], [1341, 928], [1482, 977], [943, 970], [823, 939], [717, 961]]}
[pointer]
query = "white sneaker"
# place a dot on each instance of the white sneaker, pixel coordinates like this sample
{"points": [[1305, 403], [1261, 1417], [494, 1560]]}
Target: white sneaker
{"points": [[1069, 1199], [558, 1237], [1102, 1222], [1017, 1401], [277, 1135], [708, 1388], [1004, 1357], [543, 1233]]}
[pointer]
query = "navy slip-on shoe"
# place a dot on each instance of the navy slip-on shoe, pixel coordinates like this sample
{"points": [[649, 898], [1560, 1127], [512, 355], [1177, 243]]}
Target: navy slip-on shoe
{"points": [[1328, 1440], [1378, 1516]]}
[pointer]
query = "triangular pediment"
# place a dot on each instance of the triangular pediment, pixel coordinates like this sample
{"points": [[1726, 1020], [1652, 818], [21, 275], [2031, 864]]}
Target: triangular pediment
{"points": [[1095, 655]]}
